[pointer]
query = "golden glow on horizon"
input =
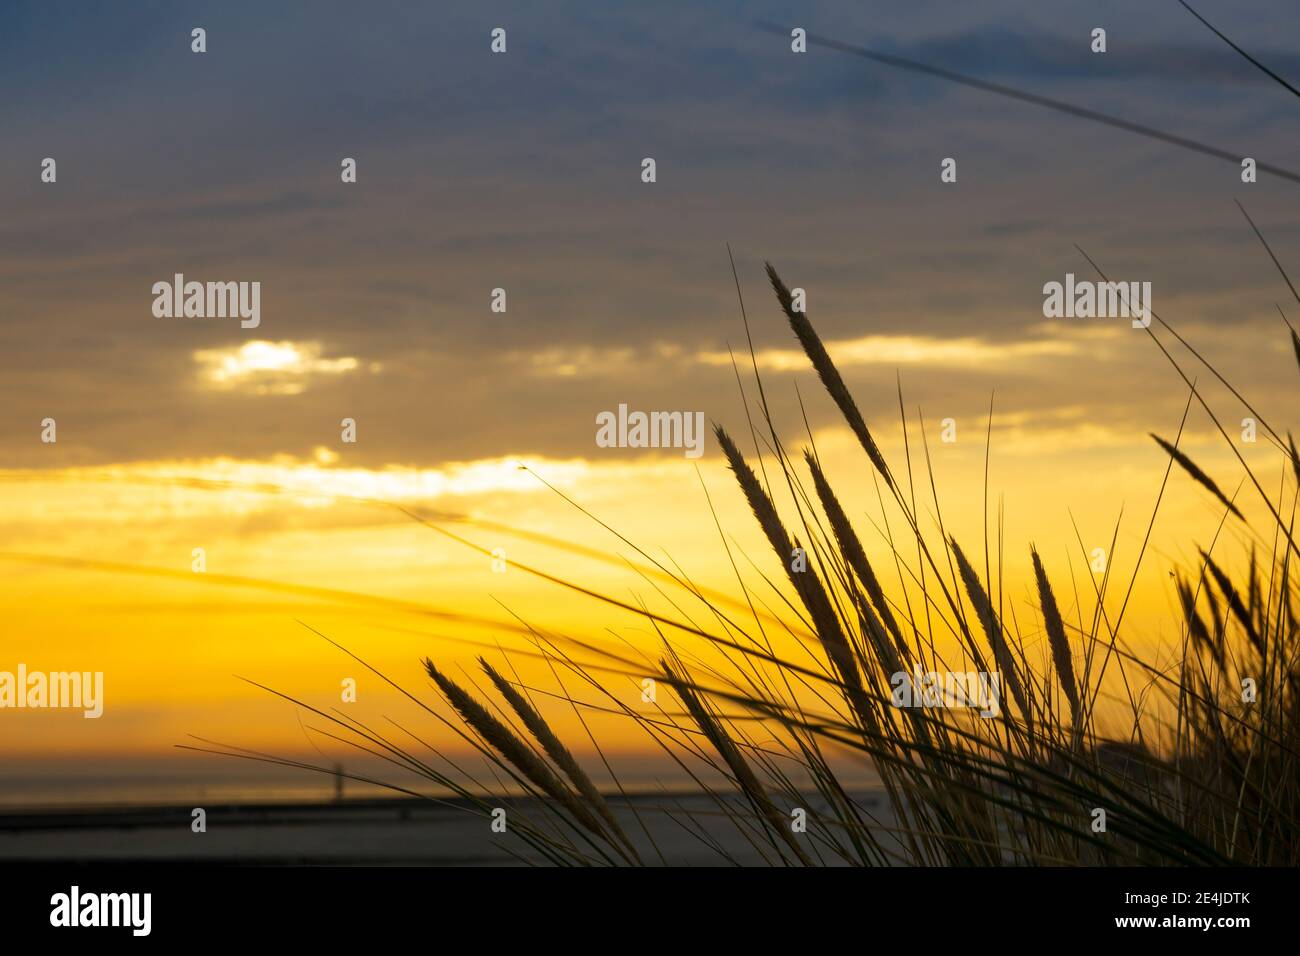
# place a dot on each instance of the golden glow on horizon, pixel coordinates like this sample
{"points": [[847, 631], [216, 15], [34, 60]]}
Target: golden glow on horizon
{"points": [[98, 575]]}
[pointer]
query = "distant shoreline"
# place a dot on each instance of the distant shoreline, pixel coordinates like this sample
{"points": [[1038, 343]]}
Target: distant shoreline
{"points": [[285, 812], [363, 831]]}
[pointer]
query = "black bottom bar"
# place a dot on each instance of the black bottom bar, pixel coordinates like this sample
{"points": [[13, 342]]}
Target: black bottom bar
{"points": [[327, 904]]}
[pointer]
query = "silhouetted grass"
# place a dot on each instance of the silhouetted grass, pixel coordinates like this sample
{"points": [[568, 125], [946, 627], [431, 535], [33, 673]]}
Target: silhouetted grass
{"points": [[1211, 777]]}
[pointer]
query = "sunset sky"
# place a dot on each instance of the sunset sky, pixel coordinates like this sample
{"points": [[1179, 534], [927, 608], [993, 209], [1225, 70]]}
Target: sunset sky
{"points": [[523, 171]]}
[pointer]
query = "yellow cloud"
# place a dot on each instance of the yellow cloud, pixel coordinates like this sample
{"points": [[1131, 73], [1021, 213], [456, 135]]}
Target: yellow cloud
{"points": [[905, 350], [268, 368]]}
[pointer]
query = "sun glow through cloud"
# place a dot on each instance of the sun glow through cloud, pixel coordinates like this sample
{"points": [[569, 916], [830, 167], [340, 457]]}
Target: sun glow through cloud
{"points": [[269, 368]]}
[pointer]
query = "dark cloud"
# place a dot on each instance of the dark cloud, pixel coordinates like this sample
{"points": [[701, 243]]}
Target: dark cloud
{"points": [[523, 172]]}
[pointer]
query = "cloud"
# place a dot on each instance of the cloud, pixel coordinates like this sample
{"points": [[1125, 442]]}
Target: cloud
{"points": [[895, 350], [522, 171], [268, 368], [590, 362]]}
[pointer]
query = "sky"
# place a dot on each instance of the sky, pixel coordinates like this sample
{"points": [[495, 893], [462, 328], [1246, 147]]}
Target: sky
{"points": [[522, 171]]}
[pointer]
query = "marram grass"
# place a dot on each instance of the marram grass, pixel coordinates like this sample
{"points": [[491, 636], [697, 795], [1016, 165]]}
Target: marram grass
{"points": [[1211, 778]]}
